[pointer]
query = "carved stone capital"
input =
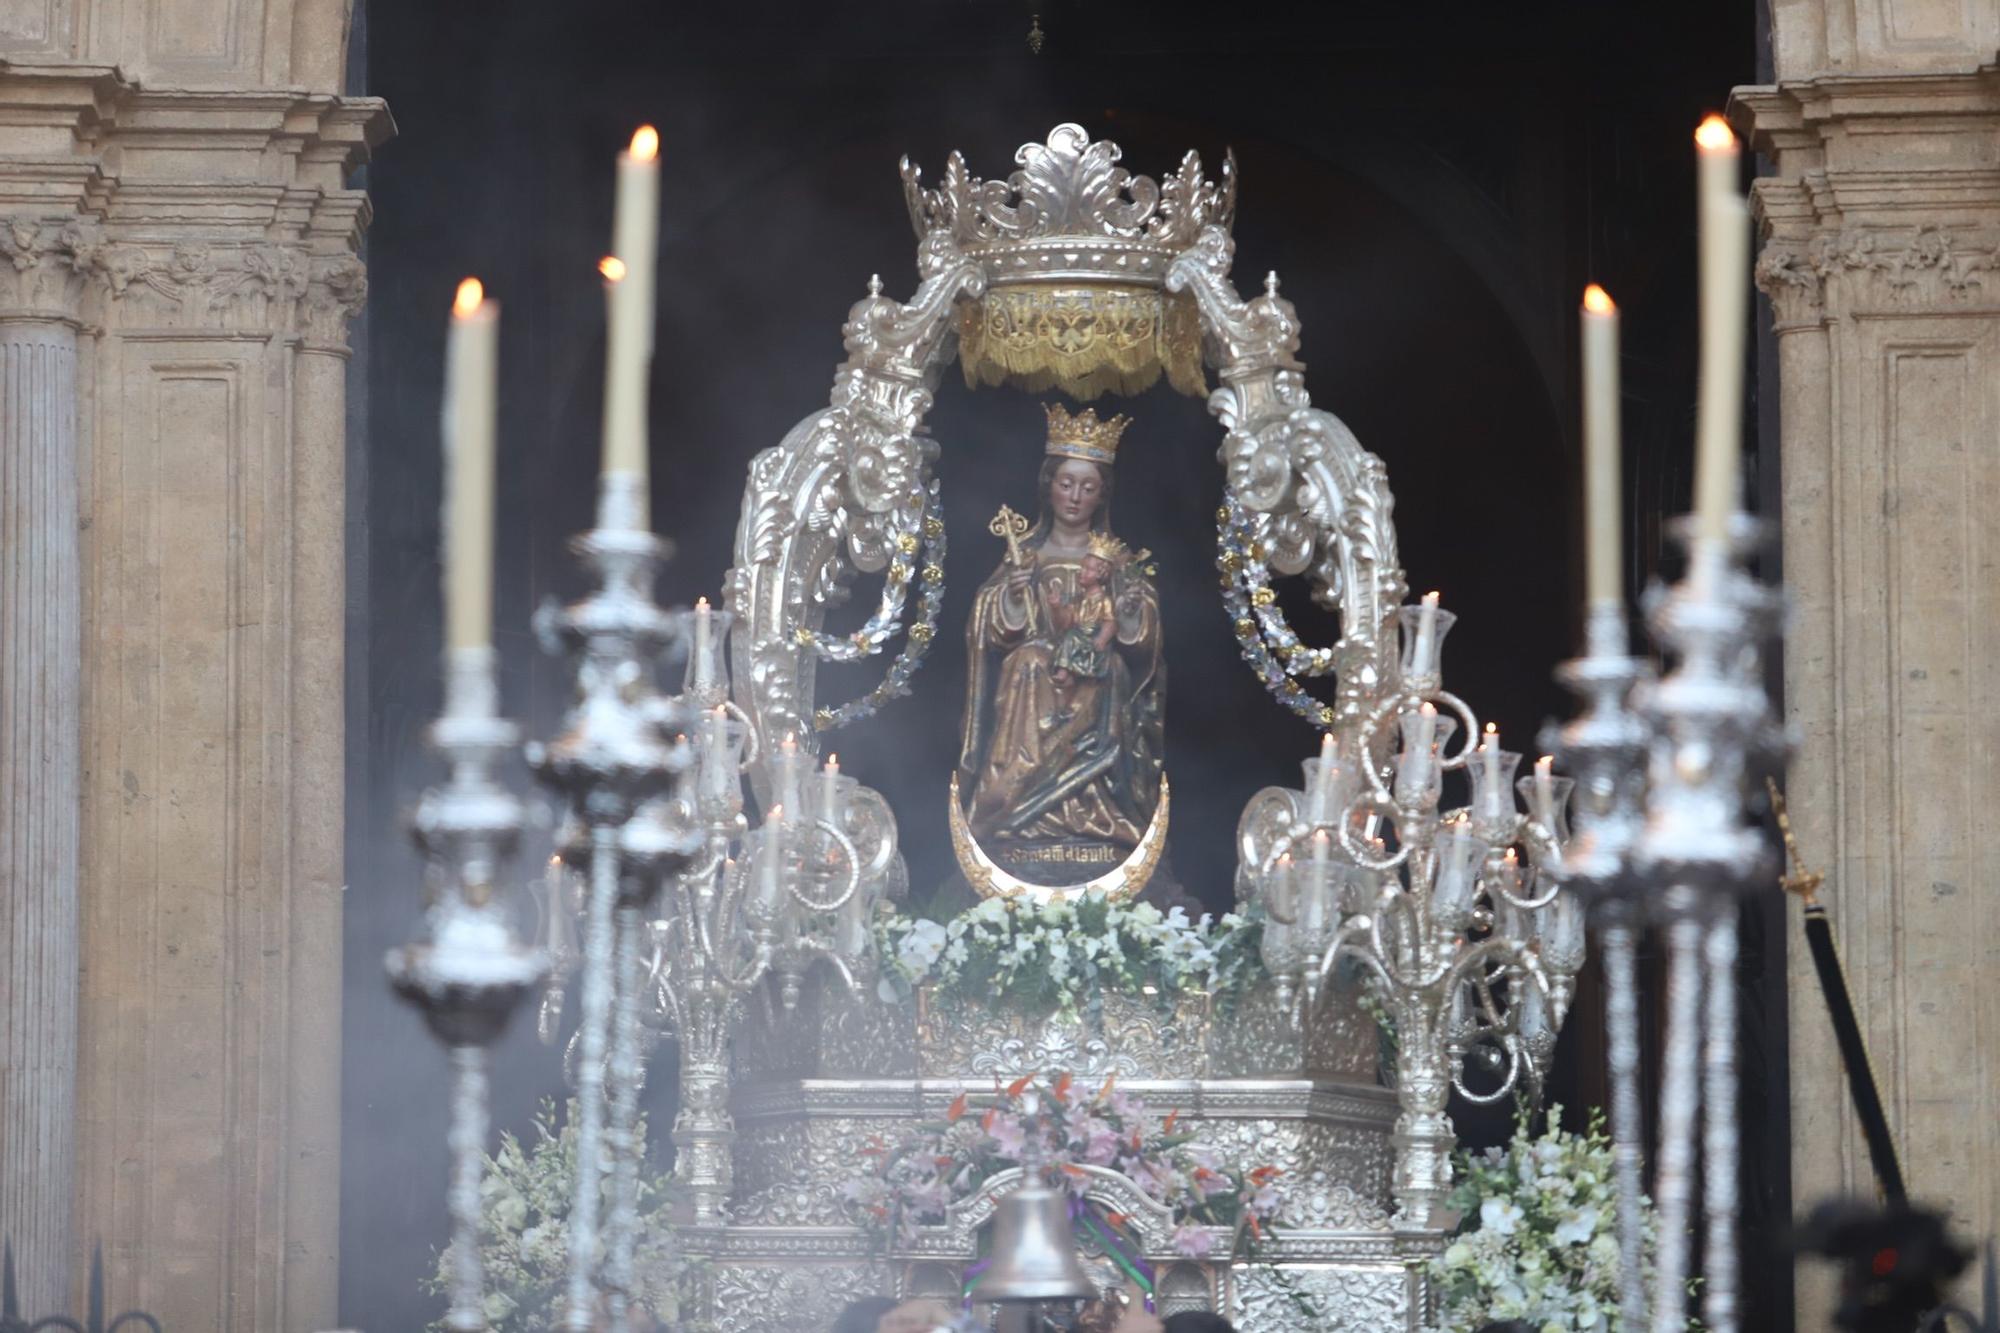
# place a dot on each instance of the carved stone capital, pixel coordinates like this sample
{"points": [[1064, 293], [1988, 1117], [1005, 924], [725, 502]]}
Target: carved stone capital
{"points": [[47, 262], [1922, 269]]}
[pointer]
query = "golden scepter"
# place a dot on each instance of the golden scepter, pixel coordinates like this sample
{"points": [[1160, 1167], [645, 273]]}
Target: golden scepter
{"points": [[1013, 527]]}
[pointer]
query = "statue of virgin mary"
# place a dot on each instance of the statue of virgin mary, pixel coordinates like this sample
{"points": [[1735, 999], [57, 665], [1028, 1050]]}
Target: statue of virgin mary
{"points": [[1060, 765]]}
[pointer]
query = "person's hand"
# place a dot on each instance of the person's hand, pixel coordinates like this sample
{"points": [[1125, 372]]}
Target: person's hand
{"points": [[1019, 579], [915, 1317]]}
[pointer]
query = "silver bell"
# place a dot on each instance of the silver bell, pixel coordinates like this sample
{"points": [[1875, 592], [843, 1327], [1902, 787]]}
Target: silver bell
{"points": [[1034, 1249]]}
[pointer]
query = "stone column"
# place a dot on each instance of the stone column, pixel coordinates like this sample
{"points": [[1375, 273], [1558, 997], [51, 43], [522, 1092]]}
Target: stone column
{"points": [[40, 745], [204, 152], [1881, 257]]}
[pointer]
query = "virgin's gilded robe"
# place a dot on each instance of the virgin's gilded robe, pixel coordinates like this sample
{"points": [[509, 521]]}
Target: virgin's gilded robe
{"points": [[1042, 762]]}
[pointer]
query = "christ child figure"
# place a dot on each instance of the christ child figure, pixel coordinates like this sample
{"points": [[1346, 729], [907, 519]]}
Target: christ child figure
{"points": [[1088, 625]]}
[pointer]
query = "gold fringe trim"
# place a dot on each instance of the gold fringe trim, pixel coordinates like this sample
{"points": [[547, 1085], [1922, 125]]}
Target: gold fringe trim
{"points": [[1085, 341]]}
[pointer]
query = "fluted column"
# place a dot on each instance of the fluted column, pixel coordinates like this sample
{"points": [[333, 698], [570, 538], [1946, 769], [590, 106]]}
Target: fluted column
{"points": [[40, 762]]}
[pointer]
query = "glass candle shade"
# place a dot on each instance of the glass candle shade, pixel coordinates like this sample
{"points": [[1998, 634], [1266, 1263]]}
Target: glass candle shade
{"points": [[707, 631], [1548, 802], [1423, 651], [723, 739], [1563, 933], [1419, 766], [1281, 892], [1492, 774], [1330, 788], [1460, 854]]}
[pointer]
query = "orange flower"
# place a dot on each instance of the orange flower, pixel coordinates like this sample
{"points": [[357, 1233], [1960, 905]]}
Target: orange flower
{"points": [[1172, 1116], [1062, 1087], [1020, 1085], [1073, 1169], [986, 1121], [956, 1109], [1263, 1175], [1105, 1091], [1256, 1232]]}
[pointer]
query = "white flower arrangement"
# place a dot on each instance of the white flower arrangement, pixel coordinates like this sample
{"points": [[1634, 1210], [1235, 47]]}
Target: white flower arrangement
{"points": [[1058, 955], [1537, 1241], [524, 1233]]}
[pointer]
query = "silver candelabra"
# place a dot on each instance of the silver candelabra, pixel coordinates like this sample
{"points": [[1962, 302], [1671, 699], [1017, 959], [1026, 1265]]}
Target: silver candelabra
{"points": [[1452, 914], [1662, 839]]}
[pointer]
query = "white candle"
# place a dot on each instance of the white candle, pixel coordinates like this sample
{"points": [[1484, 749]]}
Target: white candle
{"points": [[1725, 296], [1601, 462], [1489, 757], [1322, 851], [703, 676], [634, 242], [715, 766], [472, 368], [829, 800], [1322, 792], [1545, 791], [788, 775], [1426, 632], [767, 863]]}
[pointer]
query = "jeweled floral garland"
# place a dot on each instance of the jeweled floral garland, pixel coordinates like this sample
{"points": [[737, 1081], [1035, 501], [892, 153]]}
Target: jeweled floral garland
{"points": [[1259, 622], [921, 550], [1538, 1240], [1060, 955], [912, 1181]]}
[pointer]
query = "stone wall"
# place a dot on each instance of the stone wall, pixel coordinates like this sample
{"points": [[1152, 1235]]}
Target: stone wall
{"points": [[183, 266], [1881, 258]]}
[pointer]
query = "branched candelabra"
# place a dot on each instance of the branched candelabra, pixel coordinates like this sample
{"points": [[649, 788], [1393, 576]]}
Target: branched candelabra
{"points": [[1451, 914]]}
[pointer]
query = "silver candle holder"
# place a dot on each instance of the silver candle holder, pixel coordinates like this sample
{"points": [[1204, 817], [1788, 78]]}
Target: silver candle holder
{"points": [[467, 972]]}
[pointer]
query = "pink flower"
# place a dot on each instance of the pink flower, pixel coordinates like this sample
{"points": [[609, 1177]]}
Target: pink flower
{"points": [[1100, 1144], [1009, 1136], [1191, 1242]]}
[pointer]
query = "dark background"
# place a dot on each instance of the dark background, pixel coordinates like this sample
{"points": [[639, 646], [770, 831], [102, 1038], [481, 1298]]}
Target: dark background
{"points": [[1434, 183]]}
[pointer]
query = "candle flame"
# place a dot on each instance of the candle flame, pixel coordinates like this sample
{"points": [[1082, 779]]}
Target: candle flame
{"points": [[612, 267], [701, 603], [1598, 301], [1713, 135], [645, 143], [1431, 597], [471, 293], [833, 761], [1428, 709], [1321, 835]]}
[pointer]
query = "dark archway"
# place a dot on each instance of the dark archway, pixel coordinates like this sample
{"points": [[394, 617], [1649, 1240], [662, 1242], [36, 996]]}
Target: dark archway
{"points": [[1433, 183]]}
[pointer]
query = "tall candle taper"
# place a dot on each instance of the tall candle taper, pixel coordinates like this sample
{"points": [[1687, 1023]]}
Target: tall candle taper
{"points": [[472, 360], [1725, 306], [635, 229], [1602, 500]]}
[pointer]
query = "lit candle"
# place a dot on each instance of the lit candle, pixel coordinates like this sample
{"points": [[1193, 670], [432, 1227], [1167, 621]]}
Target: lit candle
{"points": [[634, 243], [1427, 619], [1545, 791], [1725, 288], [1322, 792], [1489, 758], [788, 775], [472, 365], [1602, 504], [829, 799], [1322, 851], [704, 677]]}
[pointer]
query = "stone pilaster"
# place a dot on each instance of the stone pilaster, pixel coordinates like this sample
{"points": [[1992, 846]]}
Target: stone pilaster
{"points": [[42, 268], [1881, 258], [205, 159]]}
